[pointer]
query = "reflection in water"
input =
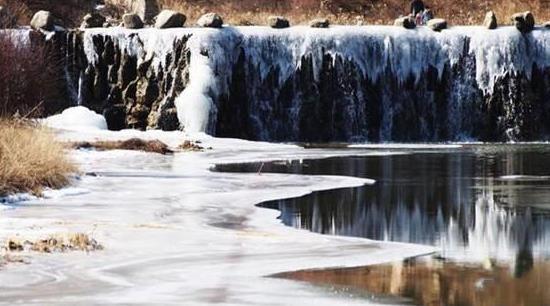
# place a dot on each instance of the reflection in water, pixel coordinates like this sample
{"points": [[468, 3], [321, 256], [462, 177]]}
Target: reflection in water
{"points": [[440, 283], [475, 203], [483, 205]]}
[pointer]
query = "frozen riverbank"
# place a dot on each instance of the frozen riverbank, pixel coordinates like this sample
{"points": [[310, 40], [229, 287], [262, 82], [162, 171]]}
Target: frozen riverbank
{"points": [[175, 232]]}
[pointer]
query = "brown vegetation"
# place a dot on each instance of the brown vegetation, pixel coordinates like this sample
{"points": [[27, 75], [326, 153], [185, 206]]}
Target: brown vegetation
{"points": [[67, 12], [54, 244], [31, 80], [134, 144], [31, 159], [192, 146], [353, 11], [249, 12]]}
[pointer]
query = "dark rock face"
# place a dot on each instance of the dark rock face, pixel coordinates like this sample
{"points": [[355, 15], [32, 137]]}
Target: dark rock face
{"points": [[343, 104], [43, 20], [524, 22], [490, 21], [278, 22], [210, 20], [127, 88], [132, 21], [170, 19]]}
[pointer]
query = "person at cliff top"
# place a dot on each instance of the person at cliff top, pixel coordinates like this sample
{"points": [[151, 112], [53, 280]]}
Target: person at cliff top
{"points": [[427, 15], [417, 6], [418, 19]]}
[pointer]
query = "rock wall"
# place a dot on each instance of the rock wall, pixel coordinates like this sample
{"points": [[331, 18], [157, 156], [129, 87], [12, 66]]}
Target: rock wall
{"points": [[340, 84], [127, 81]]}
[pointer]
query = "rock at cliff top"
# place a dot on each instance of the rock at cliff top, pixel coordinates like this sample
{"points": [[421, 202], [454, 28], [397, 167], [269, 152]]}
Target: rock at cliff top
{"points": [[210, 20], [93, 20], [43, 20], [145, 9], [132, 21], [490, 21], [524, 22], [319, 23], [278, 22], [170, 19], [437, 24], [405, 22]]}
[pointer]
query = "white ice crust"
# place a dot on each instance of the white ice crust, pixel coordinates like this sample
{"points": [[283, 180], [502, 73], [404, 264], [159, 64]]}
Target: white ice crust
{"points": [[175, 232]]}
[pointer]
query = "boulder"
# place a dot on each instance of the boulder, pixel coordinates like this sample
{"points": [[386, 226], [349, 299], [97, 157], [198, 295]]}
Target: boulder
{"points": [[490, 21], [406, 22], [278, 22], [43, 20], [524, 22], [93, 20], [170, 19], [7, 20], [319, 23], [437, 24], [210, 20], [116, 117], [132, 21], [145, 9]]}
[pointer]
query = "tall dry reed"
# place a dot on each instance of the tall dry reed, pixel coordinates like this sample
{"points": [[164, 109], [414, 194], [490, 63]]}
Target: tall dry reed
{"points": [[31, 159]]}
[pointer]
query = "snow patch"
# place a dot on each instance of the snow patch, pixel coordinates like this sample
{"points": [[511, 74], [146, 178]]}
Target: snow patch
{"points": [[79, 118]]}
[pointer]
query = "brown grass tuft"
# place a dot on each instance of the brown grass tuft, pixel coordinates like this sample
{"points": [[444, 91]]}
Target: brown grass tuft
{"points": [[134, 144], [54, 244], [31, 159]]}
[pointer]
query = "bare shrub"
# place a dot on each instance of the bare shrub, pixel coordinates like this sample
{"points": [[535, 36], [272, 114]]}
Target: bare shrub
{"points": [[30, 74], [18, 10]]}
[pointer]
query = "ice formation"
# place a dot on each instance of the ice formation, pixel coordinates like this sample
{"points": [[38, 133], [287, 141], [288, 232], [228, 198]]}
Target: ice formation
{"points": [[375, 83]]}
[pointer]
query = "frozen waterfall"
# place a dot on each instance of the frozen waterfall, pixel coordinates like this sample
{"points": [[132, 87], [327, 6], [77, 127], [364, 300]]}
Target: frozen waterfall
{"points": [[345, 83]]}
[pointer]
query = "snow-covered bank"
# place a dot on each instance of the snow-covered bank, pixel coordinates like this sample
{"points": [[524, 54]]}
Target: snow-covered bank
{"points": [[175, 232]]}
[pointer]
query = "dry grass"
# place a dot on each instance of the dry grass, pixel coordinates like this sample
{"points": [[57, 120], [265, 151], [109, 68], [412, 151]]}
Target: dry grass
{"points": [[136, 144], [255, 12], [54, 244], [31, 159], [243, 12], [133, 144]]}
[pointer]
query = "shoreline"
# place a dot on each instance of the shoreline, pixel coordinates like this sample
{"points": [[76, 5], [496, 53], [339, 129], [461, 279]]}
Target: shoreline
{"points": [[173, 235]]}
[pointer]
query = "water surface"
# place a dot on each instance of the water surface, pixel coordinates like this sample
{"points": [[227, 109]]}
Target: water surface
{"points": [[487, 207]]}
